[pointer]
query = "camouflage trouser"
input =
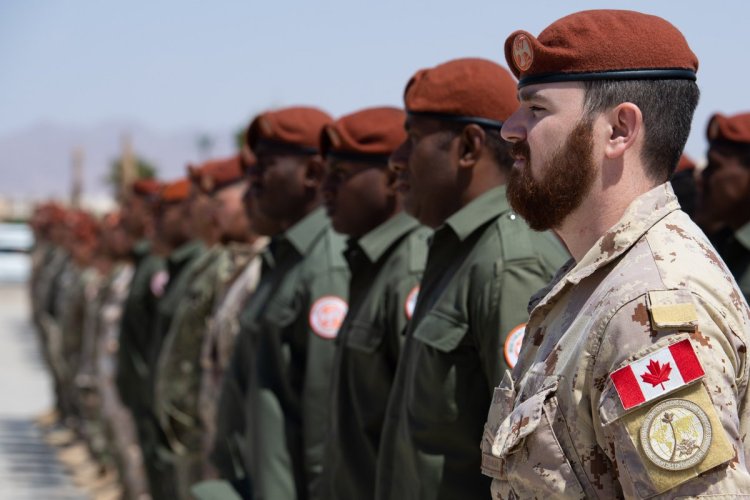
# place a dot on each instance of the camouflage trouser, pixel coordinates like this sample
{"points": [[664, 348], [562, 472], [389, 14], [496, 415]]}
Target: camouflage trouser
{"points": [[122, 439], [51, 339]]}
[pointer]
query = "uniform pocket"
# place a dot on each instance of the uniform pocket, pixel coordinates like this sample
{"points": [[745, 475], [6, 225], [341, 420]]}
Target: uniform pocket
{"points": [[529, 452], [440, 331], [432, 398], [502, 404], [364, 337]]}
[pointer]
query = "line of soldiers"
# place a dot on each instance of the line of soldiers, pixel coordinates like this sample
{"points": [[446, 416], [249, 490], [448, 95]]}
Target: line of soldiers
{"points": [[376, 306]]}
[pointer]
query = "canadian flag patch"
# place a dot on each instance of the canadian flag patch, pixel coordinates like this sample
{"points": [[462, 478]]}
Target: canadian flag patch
{"points": [[660, 373]]}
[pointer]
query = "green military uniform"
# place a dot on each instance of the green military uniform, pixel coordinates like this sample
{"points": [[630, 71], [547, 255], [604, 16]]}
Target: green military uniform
{"points": [[178, 372], [483, 265], [159, 460], [386, 265], [287, 407], [281, 364], [136, 328], [735, 251], [231, 437]]}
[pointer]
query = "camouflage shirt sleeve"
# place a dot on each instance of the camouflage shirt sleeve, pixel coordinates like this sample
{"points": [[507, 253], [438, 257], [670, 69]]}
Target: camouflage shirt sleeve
{"points": [[664, 446]]}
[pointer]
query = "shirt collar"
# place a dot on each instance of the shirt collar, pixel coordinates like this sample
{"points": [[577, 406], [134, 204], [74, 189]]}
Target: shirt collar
{"points": [[375, 243], [186, 252], [640, 216], [485, 207], [743, 235], [303, 234]]}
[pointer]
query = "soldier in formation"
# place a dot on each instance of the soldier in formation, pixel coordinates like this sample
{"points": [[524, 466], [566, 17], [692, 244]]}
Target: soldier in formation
{"points": [[491, 293]]}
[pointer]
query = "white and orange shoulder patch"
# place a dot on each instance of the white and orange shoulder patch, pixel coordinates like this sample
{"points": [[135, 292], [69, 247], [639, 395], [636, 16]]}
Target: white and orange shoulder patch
{"points": [[327, 315], [513, 342]]}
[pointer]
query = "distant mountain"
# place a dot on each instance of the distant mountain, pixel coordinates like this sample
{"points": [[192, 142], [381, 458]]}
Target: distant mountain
{"points": [[35, 163]]}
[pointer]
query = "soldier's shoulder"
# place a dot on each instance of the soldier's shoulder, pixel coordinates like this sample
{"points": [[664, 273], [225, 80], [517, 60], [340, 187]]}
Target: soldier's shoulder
{"points": [[519, 242], [326, 254], [685, 259]]}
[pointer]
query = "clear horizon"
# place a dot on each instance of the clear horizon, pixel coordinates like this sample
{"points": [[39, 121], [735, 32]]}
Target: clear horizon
{"points": [[172, 65]]}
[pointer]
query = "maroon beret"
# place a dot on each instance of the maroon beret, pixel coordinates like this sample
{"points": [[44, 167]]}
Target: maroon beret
{"points": [[685, 163], [372, 133], [146, 187], [463, 90], [734, 129], [217, 174], [295, 129], [175, 191], [601, 45]]}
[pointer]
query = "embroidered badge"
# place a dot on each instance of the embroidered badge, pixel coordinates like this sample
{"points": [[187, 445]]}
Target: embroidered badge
{"points": [[678, 438], [523, 55], [411, 302], [326, 316], [513, 343], [656, 375], [676, 434]]}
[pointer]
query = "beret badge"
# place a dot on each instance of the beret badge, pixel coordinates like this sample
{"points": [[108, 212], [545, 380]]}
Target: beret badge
{"points": [[333, 137], [713, 129], [523, 55]]}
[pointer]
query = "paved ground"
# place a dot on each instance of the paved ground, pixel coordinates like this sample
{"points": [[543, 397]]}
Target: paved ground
{"points": [[28, 467]]}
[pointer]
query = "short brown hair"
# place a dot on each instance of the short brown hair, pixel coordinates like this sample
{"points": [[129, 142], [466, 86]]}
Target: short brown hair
{"points": [[667, 107]]}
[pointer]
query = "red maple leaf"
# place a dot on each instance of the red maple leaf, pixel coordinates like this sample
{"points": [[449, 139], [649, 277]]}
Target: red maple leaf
{"points": [[657, 373]]}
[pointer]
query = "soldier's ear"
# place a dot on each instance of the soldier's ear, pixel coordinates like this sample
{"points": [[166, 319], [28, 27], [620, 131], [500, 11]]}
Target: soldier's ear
{"points": [[471, 143], [315, 169], [624, 124], [391, 180]]}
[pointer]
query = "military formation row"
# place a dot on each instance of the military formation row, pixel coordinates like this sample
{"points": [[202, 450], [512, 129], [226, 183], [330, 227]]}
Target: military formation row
{"points": [[492, 292]]}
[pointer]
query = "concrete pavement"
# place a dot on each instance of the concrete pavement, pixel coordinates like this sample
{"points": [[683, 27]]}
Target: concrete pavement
{"points": [[28, 466]]}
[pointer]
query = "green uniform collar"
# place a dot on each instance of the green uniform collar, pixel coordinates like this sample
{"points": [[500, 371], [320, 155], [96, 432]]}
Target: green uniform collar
{"points": [[743, 235], [487, 206], [142, 248], [375, 243], [186, 252], [303, 234]]}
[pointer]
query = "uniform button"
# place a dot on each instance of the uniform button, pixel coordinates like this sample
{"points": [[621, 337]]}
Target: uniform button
{"points": [[512, 216]]}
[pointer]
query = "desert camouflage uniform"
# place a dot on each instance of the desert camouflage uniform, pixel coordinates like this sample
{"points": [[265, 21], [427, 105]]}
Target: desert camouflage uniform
{"points": [[116, 420], [557, 427], [178, 371], [240, 277], [50, 335]]}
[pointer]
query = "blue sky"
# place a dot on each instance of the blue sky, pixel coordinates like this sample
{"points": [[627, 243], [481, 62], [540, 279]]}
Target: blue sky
{"points": [[173, 64]]}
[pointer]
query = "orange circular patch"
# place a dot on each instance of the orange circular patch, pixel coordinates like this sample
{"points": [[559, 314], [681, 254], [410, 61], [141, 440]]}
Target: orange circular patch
{"points": [[326, 316], [159, 282], [411, 302], [513, 344], [523, 55]]}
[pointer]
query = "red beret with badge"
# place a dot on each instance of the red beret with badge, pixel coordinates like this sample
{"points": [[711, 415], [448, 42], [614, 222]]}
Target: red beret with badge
{"points": [[371, 134], [293, 130], [729, 129], [470, 90], [601, 45]]}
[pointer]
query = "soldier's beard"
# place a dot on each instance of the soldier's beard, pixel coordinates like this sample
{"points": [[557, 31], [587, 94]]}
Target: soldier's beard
{"points": [[568, 176]]}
